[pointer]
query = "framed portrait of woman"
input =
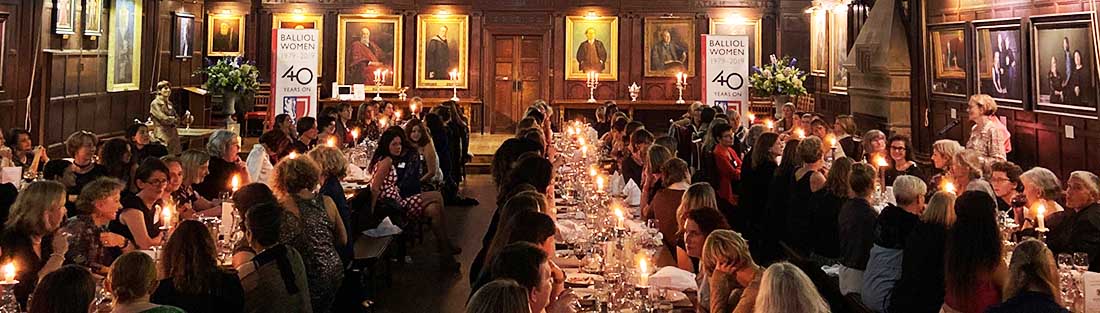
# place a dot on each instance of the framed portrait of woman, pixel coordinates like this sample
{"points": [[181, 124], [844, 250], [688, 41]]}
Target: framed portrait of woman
{"points": [[1000, 66], [65, 17], [93, 18], [124, 48], [1065, 65]]}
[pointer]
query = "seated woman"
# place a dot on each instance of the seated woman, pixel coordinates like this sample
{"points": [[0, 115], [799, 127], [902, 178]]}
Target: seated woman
{"points": [[274, 280], [1041, 188], [652, 182], [142, 144], [785, 288], [1005, 178], [826, 208], [525, 199], [967, 172], [30, 236], [82, 146], [920, 287], [273, 145], [193, 281], [901, 159], [502, 295], [131, 282], [137, 221], [665, 203], [943, 159], [1033, 281], [196, 164], [225, 163], [68, 289], [90, 245], [421, 140], [313, 227], [697, 196], [23, 150], [117, 162], [245, 199], [383, 165], [528, 226], [874, 143], [1080, 231], [730, 277], [975, 273], [61, 171]]}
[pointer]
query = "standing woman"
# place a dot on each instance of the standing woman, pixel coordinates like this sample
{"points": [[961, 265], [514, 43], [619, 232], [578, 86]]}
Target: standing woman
{"points": [[974, 269], [137, 221], [313, 227], [383, 167], [988, 137], [192, 279], [225, 163], [759, 168], [30, 237], [809, 179], [82, 146], [728, 164], [901, 159], [196, 164]]}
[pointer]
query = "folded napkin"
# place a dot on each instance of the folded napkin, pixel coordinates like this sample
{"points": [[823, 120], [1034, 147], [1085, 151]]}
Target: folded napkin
{"points": [[617, 183], [13, 175], [671, 277], [356, 173], [633, 193], [385, 228], [1091, 281]]}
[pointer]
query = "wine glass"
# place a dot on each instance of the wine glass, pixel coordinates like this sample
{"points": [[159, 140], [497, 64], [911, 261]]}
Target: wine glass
{"points": [[1065, 261], [1081, 261]]}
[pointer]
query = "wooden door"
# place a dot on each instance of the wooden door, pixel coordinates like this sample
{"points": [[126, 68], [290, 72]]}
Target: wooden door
{"points": [[517, 69]]}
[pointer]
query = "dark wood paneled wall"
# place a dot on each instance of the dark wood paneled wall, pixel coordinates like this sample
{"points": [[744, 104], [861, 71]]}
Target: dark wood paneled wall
{"points": [[1038, 139]]}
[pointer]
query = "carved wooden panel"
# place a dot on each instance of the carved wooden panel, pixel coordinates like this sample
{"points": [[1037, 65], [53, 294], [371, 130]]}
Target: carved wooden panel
{"points": [[506, 18]]}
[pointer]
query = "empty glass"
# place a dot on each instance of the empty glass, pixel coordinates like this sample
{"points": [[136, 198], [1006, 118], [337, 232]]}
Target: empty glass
{"points": [[1081, 261]]}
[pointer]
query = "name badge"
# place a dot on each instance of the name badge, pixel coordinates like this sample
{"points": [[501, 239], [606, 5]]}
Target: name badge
{"points": [[401, 165]]}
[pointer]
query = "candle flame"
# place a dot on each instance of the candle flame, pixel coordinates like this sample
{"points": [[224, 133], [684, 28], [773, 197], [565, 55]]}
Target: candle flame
{"points": [[584, 150], [949, 187], [1041, 210], [592, 171], [580, 141], [9, 272], [619, 213], [384, 121], [355, 133], [752, 117], [831, 139], [331, 142], [235, 182], [769, 124], [643, 266], [397, 115], [292, 155], [801, 134], [599, 183], [880, 160], [166, 215]]}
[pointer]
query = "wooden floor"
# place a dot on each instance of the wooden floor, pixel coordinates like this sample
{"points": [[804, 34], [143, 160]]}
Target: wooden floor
{"points": [[420, 286]]}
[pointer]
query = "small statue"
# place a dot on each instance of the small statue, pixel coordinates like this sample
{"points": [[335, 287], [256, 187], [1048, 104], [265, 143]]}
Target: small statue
{"points": [[163, 116]]}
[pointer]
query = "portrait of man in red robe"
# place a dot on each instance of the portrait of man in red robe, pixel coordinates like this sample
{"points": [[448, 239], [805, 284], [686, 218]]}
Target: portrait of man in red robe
{"points": [[364, 57]]}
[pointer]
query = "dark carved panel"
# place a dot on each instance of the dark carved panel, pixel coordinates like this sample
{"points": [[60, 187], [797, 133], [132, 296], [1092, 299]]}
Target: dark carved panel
{"points": [[502, 18], [733, 3]]}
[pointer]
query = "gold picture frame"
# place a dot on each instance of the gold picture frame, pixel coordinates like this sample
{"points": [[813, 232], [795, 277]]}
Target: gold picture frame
{"points": [[678, 55], [740, 27], [819, 43], [382, 52], [948, 62], [838, 51], [225, 35], [93, 16], [65, 17], [605, 31], [124, 46], [304, 21], [446, 54]]}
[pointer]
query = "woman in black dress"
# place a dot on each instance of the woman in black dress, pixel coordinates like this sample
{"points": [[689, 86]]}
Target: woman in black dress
{"points": [[225, 163], [193, 281], [809, 180], [138, 220]]}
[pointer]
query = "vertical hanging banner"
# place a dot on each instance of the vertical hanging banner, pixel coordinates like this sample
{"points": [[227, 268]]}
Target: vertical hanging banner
{"points": [[725, 72], [293, 74]]}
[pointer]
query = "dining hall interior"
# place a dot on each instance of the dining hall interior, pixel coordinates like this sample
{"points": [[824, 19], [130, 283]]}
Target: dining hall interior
{"points": [[550, 155]]}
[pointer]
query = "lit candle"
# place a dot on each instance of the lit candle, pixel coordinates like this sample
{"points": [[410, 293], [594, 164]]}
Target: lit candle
{"points": [[331, 142], [293, 155], [580, 140], [9, 273], [378, 75], [832, 140], [619, 216], [355, 134], [584, 151], [397, 115], [880, 161], [454, 74], [770, 124], [235, 183], [1039, 214], [384, 75], [412, 107], [384, 121], [752, 117], [680, 77], [948, 186], [599, 183], [801, 134], [166, 216], [592, 171], [643, 273]]}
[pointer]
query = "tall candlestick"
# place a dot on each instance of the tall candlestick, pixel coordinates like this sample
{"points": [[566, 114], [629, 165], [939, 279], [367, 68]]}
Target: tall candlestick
{"points": [[592, 83], [9, 273], [619, 215], [1040, 211], [454, 84], [235, 183], [681, 80], [643, 273]]}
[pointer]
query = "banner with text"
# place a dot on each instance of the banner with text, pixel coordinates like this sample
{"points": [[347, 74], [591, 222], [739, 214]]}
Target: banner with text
{"points": [[294, 80], [726, 71]]}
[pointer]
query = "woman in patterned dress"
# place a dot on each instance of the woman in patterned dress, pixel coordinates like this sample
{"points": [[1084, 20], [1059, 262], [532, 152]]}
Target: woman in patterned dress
{"points": [[312, 226], [392, 144]]}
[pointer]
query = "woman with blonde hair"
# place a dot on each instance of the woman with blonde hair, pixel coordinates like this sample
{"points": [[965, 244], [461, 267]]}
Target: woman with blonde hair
{"points": [[334, 167], [131, 282], [196, 165], [1033, 281], [943, 156], [651, 173], [30, 236], [920, 287], [785, 288], [967, 172], [845, 130], [500, 296], [988, 136], [311, 225], [698, 195], [730, 277]]}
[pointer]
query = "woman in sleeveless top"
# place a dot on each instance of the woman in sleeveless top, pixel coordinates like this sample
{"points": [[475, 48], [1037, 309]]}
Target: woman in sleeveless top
{"points": [[312, 226], [384, 164], [808, 181], [138, 220]]}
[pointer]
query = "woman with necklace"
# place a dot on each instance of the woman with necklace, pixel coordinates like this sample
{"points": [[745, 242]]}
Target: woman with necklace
{"points": [[81, 146], [91, 246]]}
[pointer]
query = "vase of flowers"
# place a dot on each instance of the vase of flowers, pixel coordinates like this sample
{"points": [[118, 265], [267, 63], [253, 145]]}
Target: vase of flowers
{"points": [[779, 79], [233, 78]]}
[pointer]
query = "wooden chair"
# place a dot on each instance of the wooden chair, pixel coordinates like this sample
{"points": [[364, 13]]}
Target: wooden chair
{"points": [[261, 109]]}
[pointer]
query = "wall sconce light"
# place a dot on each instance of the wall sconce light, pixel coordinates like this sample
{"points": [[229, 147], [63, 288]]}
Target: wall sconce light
{"points": [[735, 18], [591, 15], [226, 12], [443, 12]]}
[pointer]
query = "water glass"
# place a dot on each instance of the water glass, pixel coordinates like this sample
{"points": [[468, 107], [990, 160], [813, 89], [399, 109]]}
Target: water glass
{"points": [[1081, 261], [1065, 261]]}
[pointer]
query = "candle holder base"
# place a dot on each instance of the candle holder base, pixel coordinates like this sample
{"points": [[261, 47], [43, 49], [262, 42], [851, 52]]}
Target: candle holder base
{"points": [[681, 101], [377, 97], [591, 100], [455, 98]]}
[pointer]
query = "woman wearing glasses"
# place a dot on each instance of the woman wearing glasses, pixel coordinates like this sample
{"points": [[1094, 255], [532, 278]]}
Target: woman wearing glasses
{"points": [[137, 221], [900, 149]]}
